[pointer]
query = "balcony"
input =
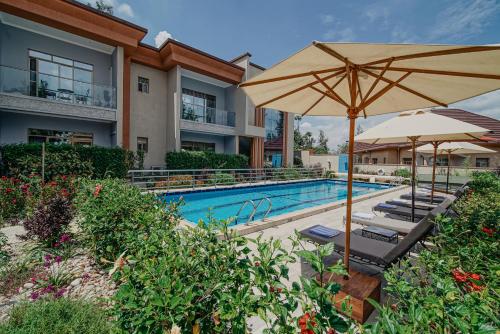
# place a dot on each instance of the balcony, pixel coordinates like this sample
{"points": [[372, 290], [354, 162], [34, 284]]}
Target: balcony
{"points": [[207, 115], [46, 86]]}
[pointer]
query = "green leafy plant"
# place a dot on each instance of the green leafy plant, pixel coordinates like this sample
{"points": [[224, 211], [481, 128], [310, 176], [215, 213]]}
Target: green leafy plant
{"points": [[403, 172], [4, 254], [12, 199], [221, 179], [60, 316], [452, 287], [63, 159], [114, 215]]}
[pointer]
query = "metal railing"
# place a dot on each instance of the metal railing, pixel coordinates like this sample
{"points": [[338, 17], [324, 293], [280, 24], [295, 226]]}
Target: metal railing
{"points": [[207, 115], [31, 83], [169, 180]]}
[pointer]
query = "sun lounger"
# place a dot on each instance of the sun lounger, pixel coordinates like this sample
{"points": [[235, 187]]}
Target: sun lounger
{"points": [[407, 203], [369, 219], [424, 197], [377, 252], [400, 210]]}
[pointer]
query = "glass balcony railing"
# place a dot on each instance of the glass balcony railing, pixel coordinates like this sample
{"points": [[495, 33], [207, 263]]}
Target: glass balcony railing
{"points": [[207, 115], [46, 86]]}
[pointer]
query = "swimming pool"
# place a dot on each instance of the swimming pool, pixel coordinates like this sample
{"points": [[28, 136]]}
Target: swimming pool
{"points": [[283, 198]]}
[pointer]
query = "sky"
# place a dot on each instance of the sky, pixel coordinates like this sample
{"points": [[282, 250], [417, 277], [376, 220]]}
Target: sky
{"points": [[272, 30]]}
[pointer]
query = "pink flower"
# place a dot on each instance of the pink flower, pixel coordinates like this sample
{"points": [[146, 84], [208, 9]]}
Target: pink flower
{"points": [[34, 295], [64, 238], [97, 190]]}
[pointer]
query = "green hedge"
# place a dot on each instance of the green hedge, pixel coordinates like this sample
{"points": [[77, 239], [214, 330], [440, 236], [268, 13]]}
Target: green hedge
{"points": [[93, 161], [201, 160]]}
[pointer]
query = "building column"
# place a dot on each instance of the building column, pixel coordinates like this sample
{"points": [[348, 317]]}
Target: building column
{"points": [[126, 103], [257, 148]]}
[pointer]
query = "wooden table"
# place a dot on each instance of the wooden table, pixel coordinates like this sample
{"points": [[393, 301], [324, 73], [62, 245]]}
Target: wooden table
{"points": [[359, 287]]}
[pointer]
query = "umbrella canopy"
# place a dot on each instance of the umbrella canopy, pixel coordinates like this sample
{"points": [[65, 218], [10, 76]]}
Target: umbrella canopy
{"points": [[420, 125], [341, 79], [408, 76], [449, 148], [425, 125], [455, 148]]}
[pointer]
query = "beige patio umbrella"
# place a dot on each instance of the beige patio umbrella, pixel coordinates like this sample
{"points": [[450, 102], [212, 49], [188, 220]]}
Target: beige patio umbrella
{"points": [[423, 126], [449, 148], [342, 79]]}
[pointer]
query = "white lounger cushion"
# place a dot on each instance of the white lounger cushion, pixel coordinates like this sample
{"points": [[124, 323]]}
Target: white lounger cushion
{"points": [[400, 226], [363, 215]]}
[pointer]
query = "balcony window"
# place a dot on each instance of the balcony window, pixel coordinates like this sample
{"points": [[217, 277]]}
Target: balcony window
{"points": [[59, 137], [198, 107], [66, 80]]}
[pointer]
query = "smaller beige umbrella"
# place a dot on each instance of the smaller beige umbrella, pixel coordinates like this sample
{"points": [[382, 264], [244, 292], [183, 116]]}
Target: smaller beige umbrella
{"points": [[423, 126], [449, 148]]}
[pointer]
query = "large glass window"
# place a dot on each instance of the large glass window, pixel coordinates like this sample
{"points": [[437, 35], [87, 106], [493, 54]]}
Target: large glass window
{"points": [[59, 137], [198, 107], [273, 144], [60, 78], [197, 146]]}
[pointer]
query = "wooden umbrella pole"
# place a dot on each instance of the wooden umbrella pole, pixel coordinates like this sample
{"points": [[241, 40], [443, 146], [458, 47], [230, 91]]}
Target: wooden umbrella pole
{"points": [[448, 173], [413, 175], [350, 165], [435, 144]]}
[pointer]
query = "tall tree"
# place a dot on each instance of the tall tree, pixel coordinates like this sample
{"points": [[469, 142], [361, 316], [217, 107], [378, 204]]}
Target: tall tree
{"points": [[102, 6], [342, 148], [359, 129], [298, 140], [308, 141], [322, 147]]}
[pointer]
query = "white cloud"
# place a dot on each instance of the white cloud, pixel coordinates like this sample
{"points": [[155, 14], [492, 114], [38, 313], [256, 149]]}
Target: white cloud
{"points": [[327, 19], [464, 19], [340, 35], [378, 14], [161, 37], [124, 9]]}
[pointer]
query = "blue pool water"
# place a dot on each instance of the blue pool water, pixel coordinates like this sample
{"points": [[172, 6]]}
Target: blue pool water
{"points": [[285, 198]]}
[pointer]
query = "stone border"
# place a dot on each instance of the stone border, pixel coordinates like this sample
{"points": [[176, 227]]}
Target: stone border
{"points": [[260, 225]]}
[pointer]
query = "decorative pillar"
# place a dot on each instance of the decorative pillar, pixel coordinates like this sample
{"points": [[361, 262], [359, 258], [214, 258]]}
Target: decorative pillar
{"points": [[126, 103]]}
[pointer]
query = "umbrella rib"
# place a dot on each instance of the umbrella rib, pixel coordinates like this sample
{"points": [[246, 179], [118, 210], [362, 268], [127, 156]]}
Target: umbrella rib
{"points": [[329, 89], [439, 72], [288, 77], [377, 80], [323, 96], [332, 53], [361, 96], [409, 90], [326, 94], [299, 88], [435, 53], [384, 90]]}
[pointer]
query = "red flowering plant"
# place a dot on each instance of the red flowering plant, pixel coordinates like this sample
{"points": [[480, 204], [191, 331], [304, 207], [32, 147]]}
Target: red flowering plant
{"points": [[12, 199]]}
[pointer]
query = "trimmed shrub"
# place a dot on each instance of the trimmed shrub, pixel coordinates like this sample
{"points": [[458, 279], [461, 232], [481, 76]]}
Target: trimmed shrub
{"points": [[60, 316], [64, 159], [201, 160]]}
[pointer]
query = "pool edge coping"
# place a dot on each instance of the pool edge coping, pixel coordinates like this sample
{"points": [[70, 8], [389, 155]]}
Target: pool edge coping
{"points": [[260, 225]]}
